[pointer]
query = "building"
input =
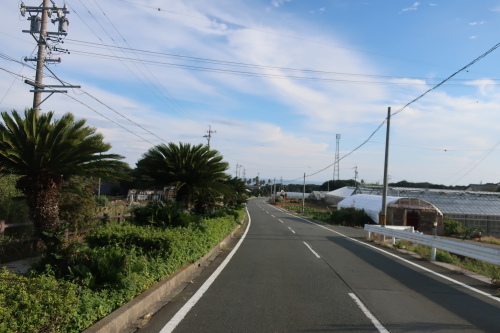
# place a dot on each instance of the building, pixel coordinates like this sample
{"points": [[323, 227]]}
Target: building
{"points": [[401, 211], [471, 208]]}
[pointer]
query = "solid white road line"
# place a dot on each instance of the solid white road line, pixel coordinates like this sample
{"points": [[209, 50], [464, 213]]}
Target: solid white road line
{"points": [[367, 313], [406, 261], [177, 318], [310, 248]]}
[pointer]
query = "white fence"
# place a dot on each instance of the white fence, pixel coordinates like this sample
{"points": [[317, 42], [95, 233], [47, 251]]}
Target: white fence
{"points": [[469, 250]]}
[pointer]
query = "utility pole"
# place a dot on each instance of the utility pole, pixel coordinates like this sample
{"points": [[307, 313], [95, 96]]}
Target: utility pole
{"points": [[39, 17], [304, 193], [383, 214], [209, 135], [356, 176]]}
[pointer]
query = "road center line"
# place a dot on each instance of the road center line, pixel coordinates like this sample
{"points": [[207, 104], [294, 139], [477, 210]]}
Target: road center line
{"points": [[280, 220], [291, 229], [177, 318], [310, 248], [368, 314]]}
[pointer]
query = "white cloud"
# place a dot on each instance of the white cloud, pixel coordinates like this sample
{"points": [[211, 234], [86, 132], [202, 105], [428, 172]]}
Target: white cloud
{"points": [[279, 3], [413, 7], [477, 23]]}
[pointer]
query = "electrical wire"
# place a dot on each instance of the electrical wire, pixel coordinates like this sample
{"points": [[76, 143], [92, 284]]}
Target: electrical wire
{"points": [[88, 94], [413, 101], [153, 88], [240, 64]]}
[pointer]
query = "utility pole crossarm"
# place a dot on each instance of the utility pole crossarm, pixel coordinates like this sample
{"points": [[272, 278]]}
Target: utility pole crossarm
{"points": [[39, 17]]}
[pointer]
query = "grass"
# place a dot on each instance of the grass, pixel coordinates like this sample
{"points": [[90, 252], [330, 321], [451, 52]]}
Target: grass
{"points": [[489, 240], [489, 270]]}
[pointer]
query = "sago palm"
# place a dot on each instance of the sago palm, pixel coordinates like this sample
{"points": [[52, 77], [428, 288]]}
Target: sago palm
{"points": [[191, 169], [45, 152]]}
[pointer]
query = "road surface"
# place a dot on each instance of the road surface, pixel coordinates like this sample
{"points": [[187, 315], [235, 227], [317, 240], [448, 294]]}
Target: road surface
{"points": [[291, 275]]}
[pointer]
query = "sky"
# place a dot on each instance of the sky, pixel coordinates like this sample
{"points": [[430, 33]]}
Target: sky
{"points": [[277, 81]]}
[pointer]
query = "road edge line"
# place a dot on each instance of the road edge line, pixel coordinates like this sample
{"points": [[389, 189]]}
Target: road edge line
{"points": [[179, 316]]}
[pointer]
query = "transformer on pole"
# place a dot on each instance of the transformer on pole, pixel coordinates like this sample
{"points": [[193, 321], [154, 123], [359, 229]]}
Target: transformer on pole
{"points": [[47, 43]]}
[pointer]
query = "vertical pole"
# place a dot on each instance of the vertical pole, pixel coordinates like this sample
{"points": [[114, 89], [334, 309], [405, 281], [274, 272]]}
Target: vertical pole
{"points": [[384, 192], [42, 41], [274, 191], [304, 193]]}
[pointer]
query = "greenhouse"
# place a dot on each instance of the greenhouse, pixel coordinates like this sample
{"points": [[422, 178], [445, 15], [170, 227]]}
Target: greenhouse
{"points": [[471, 208], [402, 211]]}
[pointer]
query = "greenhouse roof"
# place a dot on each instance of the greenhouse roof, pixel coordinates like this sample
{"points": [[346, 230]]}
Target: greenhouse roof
{"points": [[371, 204], [343, 192], [448, 201]]}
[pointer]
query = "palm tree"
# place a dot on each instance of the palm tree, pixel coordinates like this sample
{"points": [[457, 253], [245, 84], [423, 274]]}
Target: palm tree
{"points": [[46, 152], [238, 192], [193, 170]]}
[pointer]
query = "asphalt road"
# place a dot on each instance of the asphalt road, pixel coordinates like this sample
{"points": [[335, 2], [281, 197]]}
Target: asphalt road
{"points": [[291, 275]]}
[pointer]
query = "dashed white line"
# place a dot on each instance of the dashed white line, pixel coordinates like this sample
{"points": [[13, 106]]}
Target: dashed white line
{"points": [[368, 314], [406, 261], [280, 221], [310, 248], [291, 229]]}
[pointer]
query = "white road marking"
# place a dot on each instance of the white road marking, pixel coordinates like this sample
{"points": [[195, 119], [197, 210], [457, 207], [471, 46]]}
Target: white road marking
{"points": [[177, 318], [310, 248], [291, 229], [406, 261], [273, 215], [368, 314], [280, 220]]}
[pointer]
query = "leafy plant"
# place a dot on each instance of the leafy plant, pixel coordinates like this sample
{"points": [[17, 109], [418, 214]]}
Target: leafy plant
{"points": [[165, 215], [350, 217], [38, 304], [452, 227]]}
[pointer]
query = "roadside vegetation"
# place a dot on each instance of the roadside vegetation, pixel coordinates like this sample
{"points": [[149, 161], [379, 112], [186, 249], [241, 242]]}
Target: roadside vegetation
{"points": [[88, 268]]}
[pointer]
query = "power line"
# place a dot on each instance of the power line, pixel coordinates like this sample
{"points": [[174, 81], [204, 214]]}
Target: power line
{"points": [[114, 122], [413, 101], [241, 64], [151, 86], [254, 74], [91, 96]]}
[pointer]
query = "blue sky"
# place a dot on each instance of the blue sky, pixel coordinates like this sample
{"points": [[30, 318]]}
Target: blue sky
{"points": [[278, 79]]}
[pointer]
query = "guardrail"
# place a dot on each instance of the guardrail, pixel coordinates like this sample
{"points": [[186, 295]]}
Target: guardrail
{"points": [[468, 250]]}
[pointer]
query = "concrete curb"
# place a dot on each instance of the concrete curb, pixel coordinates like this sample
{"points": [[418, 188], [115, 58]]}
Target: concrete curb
{"points": [[130, 313]]}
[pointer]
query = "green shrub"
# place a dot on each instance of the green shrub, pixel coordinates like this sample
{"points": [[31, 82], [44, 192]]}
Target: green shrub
{"points": [[164, 215], [40, 304], [452, 227], [13, 206], [350, 217], [147, 238], [119, 262], [76, 205]]}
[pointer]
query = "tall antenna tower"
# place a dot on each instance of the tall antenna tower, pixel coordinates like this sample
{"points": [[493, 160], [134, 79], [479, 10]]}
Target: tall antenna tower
{"points": [[337, 160], [47, 43]]}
